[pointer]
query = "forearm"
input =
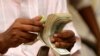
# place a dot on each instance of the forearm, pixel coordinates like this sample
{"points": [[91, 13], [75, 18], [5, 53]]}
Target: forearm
{"points": [[89, 17], [86, 11], [3, 46]]}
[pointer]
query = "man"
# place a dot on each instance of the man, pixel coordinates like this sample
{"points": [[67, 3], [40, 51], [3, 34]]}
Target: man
{"points": [[84, 7], [18, 19]]}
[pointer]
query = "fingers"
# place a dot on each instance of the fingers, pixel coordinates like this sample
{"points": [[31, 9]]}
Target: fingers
{"points": [[24, 37], [37, 18], [69, 40], [20, 31], [64, 39], [35, 21], [24, 24], [63, 44], [55, 39], [65, 34], [29, 28]]}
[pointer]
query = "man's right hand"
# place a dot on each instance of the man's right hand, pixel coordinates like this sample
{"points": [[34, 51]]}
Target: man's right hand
{"points": [[21, 32]]}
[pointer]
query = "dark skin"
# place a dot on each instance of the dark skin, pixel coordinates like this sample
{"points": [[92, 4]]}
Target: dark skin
{"points": [[64, 39], [19, 32], [88, 16]]}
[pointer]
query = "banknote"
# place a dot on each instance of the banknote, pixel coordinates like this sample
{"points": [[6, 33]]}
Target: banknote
{"points": [[54, 23]]}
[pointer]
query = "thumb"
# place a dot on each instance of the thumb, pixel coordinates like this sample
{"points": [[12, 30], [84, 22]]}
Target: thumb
{"points": [[37, 18], [43, 51]]}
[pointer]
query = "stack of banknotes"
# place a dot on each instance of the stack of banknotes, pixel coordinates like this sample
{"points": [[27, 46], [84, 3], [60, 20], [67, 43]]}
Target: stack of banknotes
{"points": [[54, 23]]}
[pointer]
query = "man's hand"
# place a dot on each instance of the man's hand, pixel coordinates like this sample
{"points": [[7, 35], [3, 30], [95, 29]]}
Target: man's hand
{"points": [[64, 39], [21, 32]]}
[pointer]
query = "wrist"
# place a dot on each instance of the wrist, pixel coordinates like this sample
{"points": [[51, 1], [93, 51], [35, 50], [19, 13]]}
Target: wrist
{"points": [[3, 44]]}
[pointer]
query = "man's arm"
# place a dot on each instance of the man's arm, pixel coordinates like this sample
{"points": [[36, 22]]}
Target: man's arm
{"points": [[86, 11], [19, 32], [89, 17]]}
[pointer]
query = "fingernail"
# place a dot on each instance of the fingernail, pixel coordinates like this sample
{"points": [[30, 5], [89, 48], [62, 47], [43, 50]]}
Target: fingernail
{"points": [[52, 40], [57, 44], [55, 35], [40, 17]]}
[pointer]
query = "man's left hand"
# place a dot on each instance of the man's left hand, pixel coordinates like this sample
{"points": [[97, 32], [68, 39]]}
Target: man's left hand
{"points": [[64, 39]]}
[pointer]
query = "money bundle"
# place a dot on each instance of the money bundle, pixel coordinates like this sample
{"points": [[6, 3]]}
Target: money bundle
{"points": [[54, 23]]}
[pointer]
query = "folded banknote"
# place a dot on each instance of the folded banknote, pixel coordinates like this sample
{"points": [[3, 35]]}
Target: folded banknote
{"points": [[54, 23]]}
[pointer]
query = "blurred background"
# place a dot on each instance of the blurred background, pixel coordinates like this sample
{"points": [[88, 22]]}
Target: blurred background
{"points": [[96, 7], [86, 19]]}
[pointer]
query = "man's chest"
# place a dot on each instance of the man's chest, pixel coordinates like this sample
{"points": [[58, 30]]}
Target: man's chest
{"points": [[12, 9]]}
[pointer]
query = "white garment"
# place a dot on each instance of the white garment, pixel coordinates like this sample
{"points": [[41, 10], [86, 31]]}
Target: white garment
{"points": [[12, 9]]}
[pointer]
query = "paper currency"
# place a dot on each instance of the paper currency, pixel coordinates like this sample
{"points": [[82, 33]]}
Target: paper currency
{"points": [[54, 23]]}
